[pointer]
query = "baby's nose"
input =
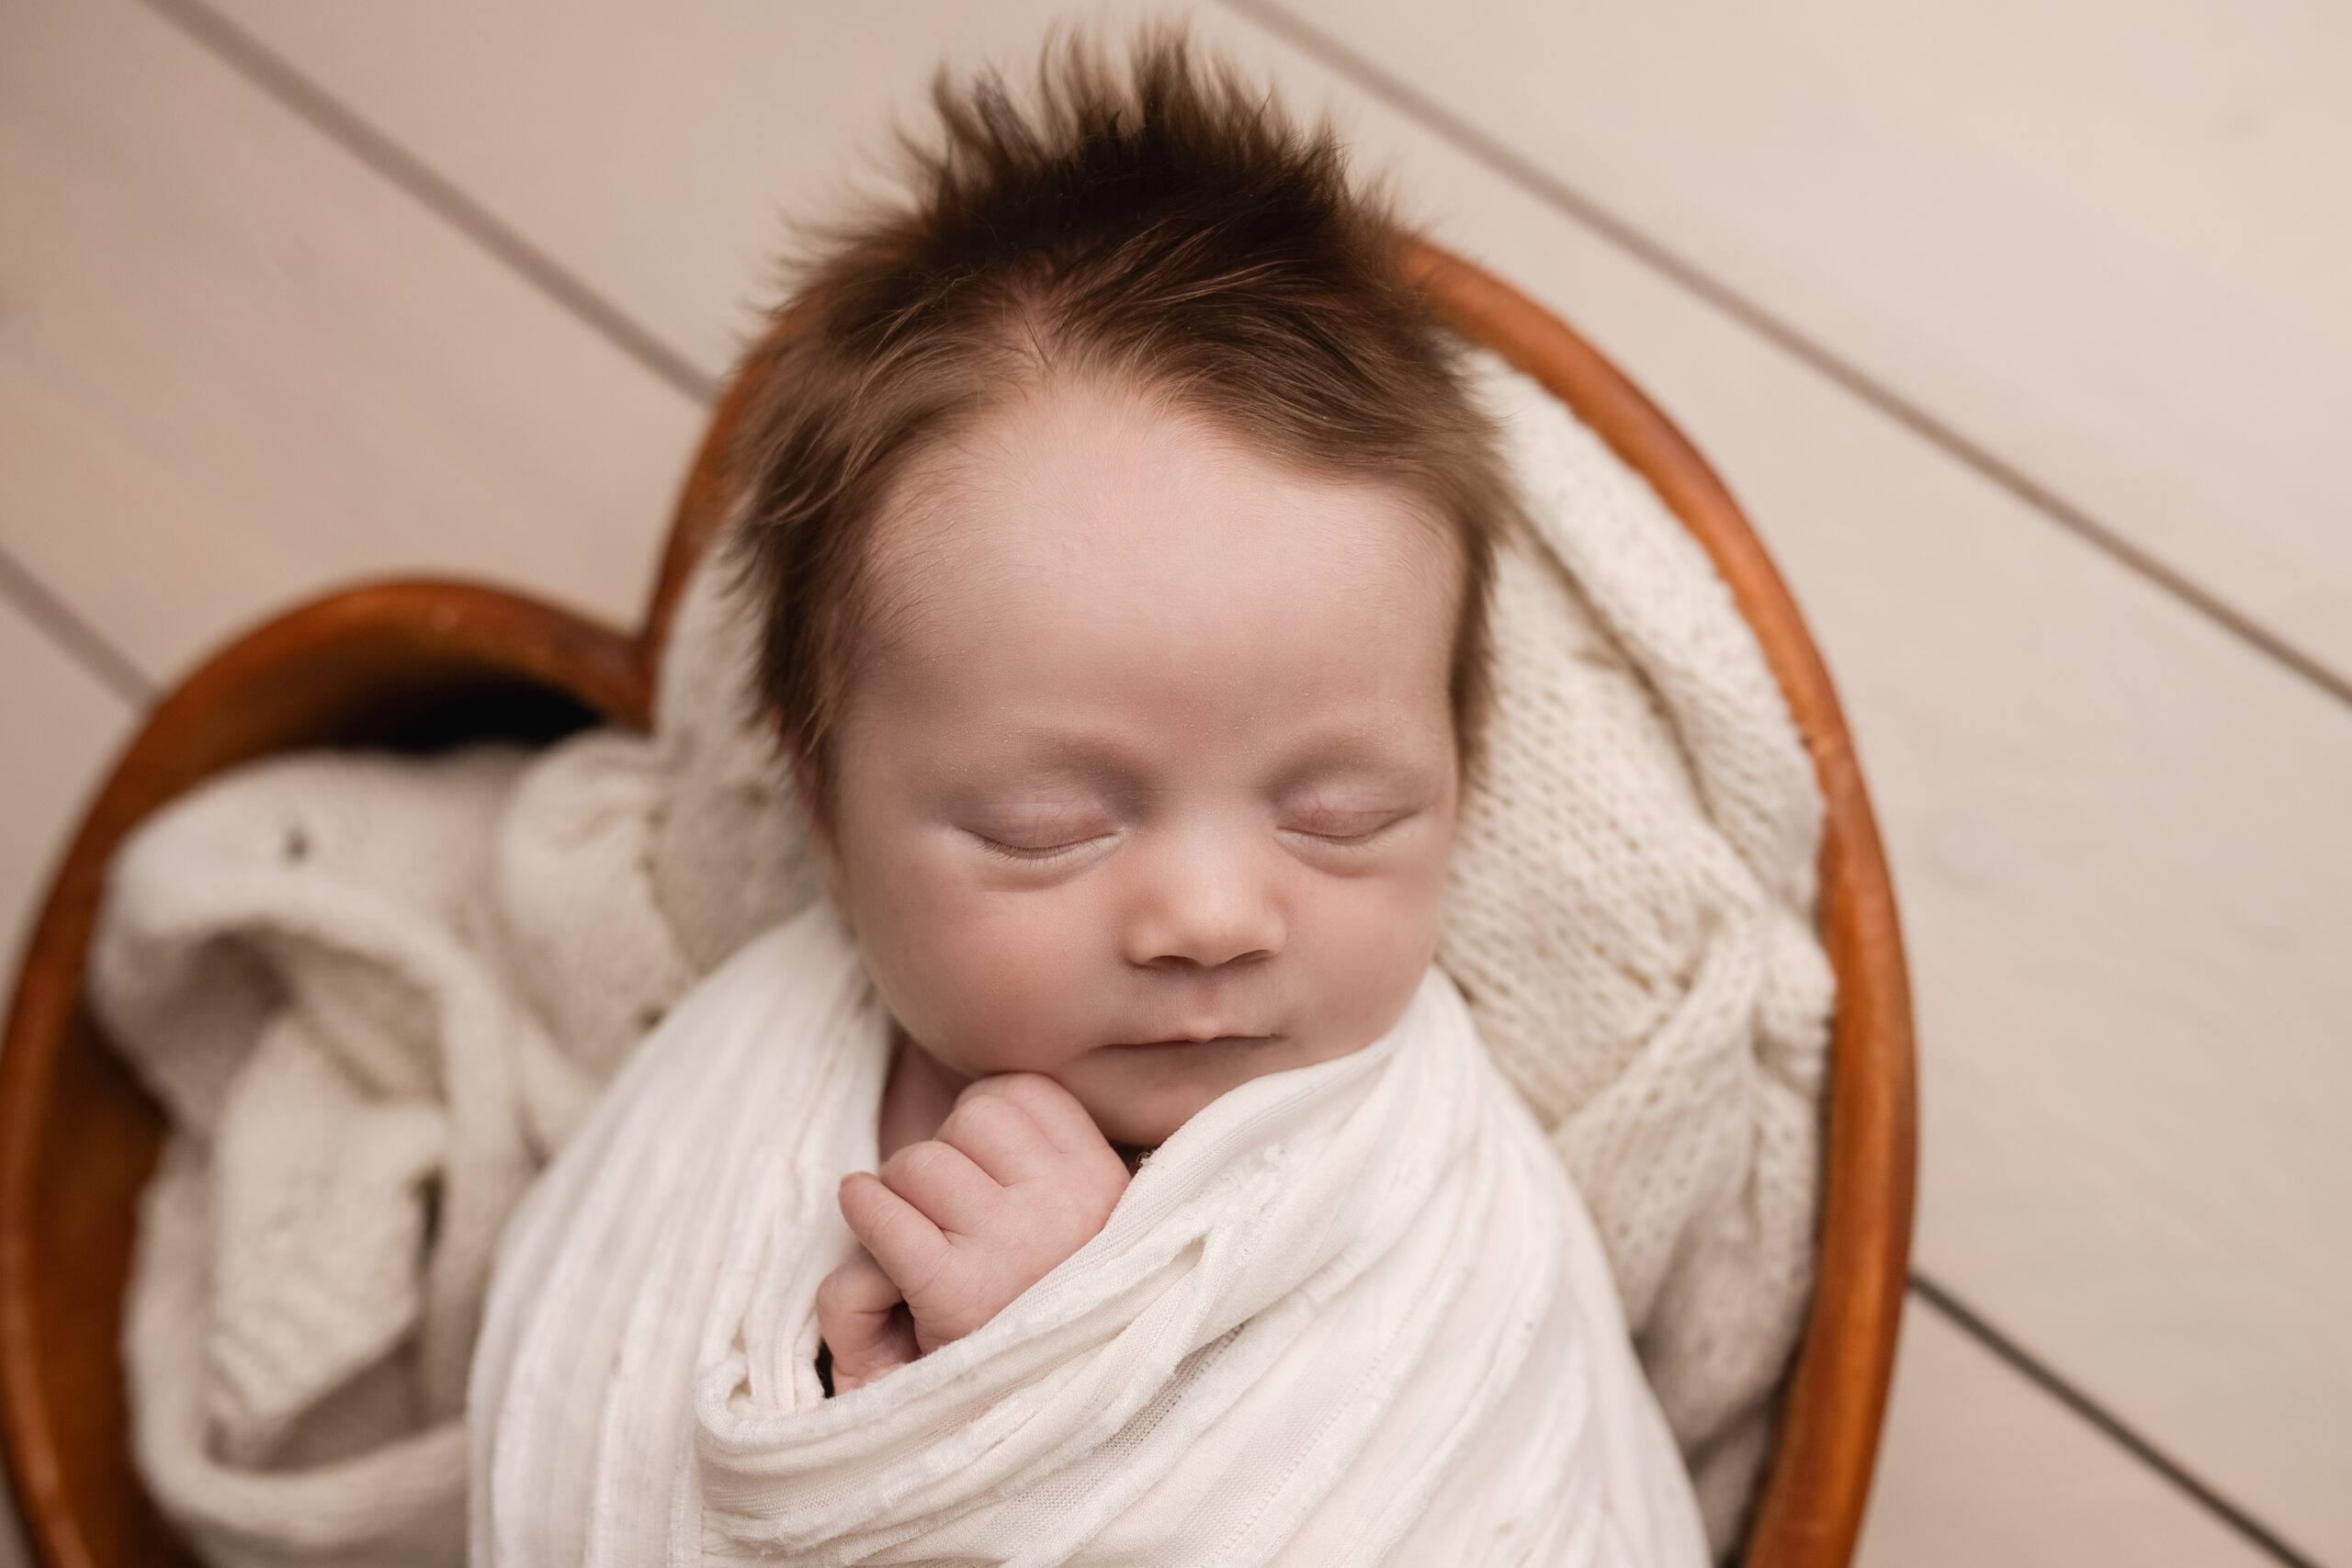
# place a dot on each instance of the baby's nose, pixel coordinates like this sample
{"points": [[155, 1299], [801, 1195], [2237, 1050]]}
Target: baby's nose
{"points": [[1204, 904]]}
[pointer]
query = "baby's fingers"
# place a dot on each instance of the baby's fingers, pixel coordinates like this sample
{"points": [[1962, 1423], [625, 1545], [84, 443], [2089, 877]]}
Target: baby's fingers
{"points": [[1000, 1136], [857, 1312], [944, 1182], [1047, 1106], [903, 1240]]}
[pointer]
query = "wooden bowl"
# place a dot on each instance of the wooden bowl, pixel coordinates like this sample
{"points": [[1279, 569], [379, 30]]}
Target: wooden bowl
{"points": [[420, 664]]}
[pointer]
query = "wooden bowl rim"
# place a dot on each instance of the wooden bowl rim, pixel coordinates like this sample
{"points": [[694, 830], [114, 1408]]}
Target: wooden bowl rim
{"points": [[1811, 1507]]}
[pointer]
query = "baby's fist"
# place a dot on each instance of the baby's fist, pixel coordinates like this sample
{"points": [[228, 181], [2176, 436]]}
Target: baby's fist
{"points": [[1017, 1178]]}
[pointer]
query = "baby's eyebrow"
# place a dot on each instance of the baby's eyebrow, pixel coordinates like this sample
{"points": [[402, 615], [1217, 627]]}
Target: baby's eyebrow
{"points": [[1050, 760], [1357, 751], [1061, 765]]}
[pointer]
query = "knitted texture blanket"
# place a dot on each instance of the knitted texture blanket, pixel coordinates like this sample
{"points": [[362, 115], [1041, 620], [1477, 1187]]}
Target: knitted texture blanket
{"points": [[375, 993], [1348, 1313]]}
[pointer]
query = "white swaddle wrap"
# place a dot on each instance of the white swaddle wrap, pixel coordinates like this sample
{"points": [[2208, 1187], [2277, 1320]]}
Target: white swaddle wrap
{"points": [[1350, 1313]]}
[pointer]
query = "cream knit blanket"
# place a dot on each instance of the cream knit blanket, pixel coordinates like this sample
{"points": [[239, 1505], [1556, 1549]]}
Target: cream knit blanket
{"points": [[1351, 1314], [375, 993]]}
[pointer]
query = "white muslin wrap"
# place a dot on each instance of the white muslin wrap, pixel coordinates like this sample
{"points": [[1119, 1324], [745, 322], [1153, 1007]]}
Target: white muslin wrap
{"points": [[1351, 1313]]}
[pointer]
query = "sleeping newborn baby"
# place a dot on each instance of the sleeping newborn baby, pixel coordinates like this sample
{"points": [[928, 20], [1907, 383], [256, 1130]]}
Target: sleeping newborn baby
{"points": [[1122, 530], [1145, 791]]}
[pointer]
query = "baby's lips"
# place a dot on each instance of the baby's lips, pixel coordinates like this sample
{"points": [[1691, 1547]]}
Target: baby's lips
{"points": [[1182, 1040]]}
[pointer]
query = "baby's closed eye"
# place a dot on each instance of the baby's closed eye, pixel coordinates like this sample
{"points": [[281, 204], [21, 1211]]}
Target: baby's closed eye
{"points": [[1341, 825], [1030, 829], [1345, 818]]}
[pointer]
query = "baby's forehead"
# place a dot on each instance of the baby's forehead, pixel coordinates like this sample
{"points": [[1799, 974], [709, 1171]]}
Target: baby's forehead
{"points": [[1094, 572], [1081, 489]]}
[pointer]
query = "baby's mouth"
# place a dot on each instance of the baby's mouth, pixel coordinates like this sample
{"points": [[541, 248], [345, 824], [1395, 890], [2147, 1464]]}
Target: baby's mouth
{"points": [[1184, 1040]]}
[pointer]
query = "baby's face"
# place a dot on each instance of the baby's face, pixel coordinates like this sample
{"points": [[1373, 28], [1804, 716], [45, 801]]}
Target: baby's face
{"points": [[1150, 779]]}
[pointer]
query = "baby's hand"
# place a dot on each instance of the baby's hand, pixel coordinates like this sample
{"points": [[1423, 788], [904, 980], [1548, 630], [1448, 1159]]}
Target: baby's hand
{"points": [[1018, 1179]]}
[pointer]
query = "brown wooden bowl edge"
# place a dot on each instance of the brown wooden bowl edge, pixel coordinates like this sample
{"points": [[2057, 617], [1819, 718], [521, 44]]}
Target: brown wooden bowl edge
{"points": [[1812, 1505], [502, 633]]}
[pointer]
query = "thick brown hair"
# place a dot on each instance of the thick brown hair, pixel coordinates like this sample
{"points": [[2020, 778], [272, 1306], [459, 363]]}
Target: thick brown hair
{"points": [[1165, 228]]}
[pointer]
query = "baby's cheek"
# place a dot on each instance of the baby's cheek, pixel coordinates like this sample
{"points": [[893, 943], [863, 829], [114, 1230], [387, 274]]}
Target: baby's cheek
{"points": [[1002, 980], [1384, 936]]}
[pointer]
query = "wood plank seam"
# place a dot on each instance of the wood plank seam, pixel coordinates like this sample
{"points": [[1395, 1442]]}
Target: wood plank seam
{"points": [[75, 637], [327, 115], [2042, 1375], [1556, 192], [331, 118]]}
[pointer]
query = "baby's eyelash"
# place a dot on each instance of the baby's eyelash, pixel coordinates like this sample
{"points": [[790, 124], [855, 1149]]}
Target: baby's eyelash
{"points": [[1324, 834], [1047, 855]]}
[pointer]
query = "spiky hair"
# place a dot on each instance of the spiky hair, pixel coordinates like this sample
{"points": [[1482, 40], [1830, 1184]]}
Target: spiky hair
{"points": [[1164, 226]]}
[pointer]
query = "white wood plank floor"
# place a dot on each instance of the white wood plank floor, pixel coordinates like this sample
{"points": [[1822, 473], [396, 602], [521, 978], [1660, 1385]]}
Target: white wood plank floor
{"points": [[2104, 243], [242, 365], [2025, 360]]}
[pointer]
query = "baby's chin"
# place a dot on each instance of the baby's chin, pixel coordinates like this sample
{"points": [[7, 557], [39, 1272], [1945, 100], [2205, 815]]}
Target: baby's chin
{"points": [[1148, 1125], [1139, 1095]]}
